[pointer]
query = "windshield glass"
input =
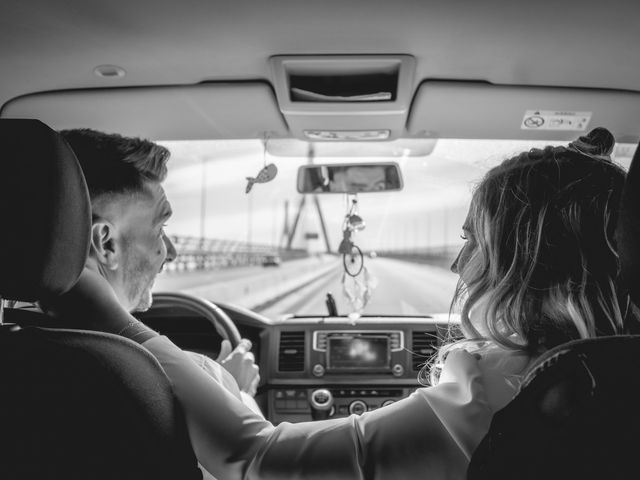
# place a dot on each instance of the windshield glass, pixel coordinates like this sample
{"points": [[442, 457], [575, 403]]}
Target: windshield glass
{"points": [[275, 250]]}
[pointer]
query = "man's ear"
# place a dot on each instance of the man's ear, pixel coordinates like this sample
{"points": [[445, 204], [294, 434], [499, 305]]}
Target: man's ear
{"points": [[103, 245]]}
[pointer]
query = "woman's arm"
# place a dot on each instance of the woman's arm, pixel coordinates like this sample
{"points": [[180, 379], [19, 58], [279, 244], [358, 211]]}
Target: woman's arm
{"points": [[430, 434]]}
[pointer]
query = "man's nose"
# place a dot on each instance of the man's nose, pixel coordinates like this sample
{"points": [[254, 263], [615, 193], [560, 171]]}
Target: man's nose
{"points": [[171, 249]]}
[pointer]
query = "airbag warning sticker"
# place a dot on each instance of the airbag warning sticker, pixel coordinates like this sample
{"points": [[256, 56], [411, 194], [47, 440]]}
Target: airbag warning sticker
{"points": [[555, 120]]}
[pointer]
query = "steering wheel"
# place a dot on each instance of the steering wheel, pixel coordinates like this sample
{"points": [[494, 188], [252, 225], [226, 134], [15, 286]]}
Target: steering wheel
{"points": [[214, 314]]}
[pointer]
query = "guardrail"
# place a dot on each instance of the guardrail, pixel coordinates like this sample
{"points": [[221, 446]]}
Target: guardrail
{"points": [[196, 253], [254, 287]]}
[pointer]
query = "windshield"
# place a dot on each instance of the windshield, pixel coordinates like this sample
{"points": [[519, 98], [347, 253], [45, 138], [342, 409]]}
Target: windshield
{"points": [[275, 250]]}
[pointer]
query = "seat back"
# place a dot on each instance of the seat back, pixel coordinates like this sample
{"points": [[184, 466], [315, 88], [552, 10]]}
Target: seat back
{"points": [[78, 405], [577, 414], [73, 404]]}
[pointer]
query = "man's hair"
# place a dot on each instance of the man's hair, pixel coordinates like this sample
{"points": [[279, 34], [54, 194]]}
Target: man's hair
{"points": [[114, 164]]}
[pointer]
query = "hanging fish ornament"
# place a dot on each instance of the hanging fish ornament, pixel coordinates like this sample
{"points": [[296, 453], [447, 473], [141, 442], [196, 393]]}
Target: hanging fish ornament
{"points": [[265, 175]]}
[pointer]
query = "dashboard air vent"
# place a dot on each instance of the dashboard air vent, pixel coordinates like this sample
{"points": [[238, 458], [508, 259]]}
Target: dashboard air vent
{"points": [[291, 352], [423, 347]]}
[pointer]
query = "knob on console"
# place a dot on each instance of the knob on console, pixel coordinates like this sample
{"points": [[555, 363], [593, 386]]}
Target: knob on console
{"points": [[321, 401], [358, 407]]}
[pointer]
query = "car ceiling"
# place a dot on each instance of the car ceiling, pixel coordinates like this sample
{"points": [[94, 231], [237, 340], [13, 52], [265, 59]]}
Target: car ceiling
{"points": [[53, 45]]}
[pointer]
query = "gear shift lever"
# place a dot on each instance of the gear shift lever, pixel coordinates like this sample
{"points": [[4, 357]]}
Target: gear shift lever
{"points": [[321, 402]]}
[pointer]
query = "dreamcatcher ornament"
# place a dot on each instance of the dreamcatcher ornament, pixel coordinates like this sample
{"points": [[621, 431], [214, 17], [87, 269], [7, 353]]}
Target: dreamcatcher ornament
{"points": [[357, 282], [358, 291]]}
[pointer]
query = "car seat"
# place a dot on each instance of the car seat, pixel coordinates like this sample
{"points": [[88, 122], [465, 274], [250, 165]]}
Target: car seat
{"points": [[577, 414], [73, 404]]}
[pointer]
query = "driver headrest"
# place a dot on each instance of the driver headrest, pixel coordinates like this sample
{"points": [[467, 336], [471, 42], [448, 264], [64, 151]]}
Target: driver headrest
{"points": [[44, 211], [628, 230]]}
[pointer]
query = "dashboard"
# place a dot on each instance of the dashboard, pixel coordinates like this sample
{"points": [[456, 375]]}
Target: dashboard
{"points": [[327, 367], [314, 368]]}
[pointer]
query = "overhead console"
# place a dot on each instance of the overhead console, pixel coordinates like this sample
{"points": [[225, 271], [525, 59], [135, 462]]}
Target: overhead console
{"points": [[322, 97]]}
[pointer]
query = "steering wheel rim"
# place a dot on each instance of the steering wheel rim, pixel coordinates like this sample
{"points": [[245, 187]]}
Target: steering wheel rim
{"points": [[209, 310]]}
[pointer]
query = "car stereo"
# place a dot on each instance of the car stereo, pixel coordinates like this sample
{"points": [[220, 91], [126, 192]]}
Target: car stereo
{"points": [[357, 351]]}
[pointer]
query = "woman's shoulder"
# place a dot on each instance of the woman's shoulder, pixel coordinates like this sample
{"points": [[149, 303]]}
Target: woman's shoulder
{"points": [[497, 371], [502, 371]]}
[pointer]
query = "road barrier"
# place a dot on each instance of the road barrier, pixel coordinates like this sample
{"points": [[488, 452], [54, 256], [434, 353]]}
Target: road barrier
{"points": [[257, 287]]}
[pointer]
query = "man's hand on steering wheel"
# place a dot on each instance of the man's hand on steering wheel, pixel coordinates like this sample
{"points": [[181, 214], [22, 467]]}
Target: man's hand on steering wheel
{"points": [[240, 363]]}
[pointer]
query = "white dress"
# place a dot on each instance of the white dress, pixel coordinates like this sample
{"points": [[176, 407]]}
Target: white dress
{"points": [[431, 434]]}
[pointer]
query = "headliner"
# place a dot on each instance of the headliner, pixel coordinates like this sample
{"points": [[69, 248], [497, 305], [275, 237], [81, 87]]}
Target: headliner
{"points": [[52, 45]]}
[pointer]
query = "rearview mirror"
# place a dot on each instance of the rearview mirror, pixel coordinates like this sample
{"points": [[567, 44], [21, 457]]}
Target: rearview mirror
{"points": [[349, 178]]}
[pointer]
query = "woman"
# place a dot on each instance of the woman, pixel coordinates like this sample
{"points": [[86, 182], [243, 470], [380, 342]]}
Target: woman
{"points": [[538, 269]]}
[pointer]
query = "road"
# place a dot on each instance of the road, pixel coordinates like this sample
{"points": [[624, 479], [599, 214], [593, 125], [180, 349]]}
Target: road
{"points": [[300, 287], [403, 288]]}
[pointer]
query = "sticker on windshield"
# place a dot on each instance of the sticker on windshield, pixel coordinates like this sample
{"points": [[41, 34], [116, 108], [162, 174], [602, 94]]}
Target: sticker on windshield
{"points": [[555, 120]]}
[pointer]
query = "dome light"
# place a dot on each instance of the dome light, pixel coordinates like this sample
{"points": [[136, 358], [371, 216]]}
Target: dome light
{"points": [[109, 71]]}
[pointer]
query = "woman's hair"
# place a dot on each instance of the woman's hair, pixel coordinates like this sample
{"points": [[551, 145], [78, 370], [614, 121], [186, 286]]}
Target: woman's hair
{"points": [[543, 269]]}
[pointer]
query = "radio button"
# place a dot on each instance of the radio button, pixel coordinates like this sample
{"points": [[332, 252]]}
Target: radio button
{"points": [[358, 407], [388, 402], [318, 370]]}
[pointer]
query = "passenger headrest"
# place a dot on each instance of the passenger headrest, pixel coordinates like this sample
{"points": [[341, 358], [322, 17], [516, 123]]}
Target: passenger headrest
{"points": [[45, 212], [628, 230]]}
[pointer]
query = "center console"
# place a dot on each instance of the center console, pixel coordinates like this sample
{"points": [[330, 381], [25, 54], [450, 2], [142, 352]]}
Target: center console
{"points": [[346, 371]]}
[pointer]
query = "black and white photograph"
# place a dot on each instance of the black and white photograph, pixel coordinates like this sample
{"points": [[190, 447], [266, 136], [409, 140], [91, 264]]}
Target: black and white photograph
{"points": [[331, 240]]}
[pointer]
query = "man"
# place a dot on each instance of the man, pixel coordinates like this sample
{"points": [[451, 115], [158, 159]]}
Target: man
{"points": [[355, 178], [347, 179], [129, 246]]}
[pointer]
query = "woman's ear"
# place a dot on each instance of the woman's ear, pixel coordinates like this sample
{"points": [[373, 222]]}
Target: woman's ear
{"points": [[103, 245]]}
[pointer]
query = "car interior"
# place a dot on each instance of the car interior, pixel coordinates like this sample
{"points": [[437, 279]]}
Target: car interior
{"points": [[323, 156]]}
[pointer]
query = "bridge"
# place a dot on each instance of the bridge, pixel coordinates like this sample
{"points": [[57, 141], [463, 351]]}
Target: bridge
{"points": [[196, 253]]}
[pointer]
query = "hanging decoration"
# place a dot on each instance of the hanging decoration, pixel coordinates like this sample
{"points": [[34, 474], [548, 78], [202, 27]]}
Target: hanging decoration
{"points": [[357, 282], [266, 174]]}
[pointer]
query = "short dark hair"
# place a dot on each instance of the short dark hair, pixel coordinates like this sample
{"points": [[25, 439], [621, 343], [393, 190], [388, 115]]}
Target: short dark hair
{"points": [[112, 163]]}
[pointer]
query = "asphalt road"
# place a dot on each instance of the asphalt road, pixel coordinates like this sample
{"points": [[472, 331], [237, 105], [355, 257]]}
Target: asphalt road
{"points": [[402, 288]]}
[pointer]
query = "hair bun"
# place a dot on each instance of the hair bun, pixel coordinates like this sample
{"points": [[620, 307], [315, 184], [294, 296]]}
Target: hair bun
{"points": [[599, 143]]}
